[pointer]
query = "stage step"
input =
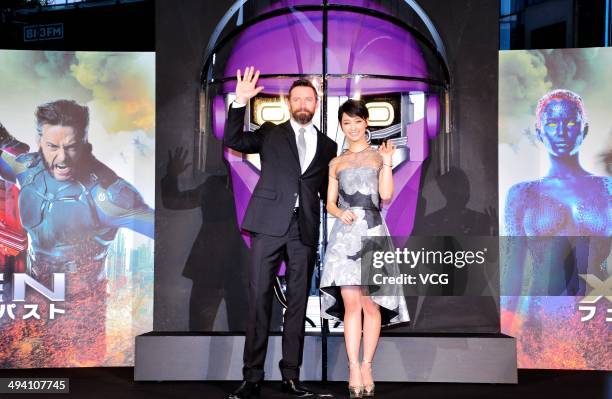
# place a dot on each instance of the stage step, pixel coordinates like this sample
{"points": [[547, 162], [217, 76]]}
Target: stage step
{"points": [[465, 358]]}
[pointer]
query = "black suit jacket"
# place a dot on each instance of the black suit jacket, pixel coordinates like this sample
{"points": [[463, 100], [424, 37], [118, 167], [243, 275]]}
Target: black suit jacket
{"points": [[271, 206]]}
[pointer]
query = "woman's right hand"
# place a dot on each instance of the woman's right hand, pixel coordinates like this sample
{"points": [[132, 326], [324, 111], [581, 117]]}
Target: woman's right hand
{"points": [[347, 217], [245, 86]]}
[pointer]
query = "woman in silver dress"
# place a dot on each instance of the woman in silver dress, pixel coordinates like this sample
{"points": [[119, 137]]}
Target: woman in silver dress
{"points": [[359, 179]]}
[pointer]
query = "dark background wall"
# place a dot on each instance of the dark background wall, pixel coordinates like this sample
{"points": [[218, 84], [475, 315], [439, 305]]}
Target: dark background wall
{"points": [[94, 26], [470, 32], [182, 33], [464, 200]]}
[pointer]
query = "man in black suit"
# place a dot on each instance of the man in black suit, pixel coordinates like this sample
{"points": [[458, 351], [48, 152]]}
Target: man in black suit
{"points": [[283, 218]]}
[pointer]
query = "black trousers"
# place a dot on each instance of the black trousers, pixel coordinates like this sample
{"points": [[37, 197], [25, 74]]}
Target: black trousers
{"points": [[266, 254]]}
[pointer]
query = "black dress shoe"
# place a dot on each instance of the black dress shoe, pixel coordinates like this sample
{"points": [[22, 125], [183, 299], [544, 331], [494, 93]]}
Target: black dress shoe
{"points": [[294, 388], [246, 390]]}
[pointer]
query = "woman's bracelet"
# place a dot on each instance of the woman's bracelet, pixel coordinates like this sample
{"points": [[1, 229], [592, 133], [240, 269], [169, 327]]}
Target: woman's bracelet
{"points": [[388, 164]]}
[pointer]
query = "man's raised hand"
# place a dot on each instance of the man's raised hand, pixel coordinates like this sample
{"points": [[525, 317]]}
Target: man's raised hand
{"points": [[246, 85]]}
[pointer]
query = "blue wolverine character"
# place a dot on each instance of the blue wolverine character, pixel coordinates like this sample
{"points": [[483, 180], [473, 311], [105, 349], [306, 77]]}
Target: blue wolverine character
{"points": [[71, 206], [70, 203]]}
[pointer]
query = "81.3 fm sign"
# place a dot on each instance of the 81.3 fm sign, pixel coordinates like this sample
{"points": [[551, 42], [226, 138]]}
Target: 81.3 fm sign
{"points": [[34, 33]]}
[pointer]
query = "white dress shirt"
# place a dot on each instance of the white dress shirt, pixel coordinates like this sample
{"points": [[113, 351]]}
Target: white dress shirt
{"points": [[310, 135]]}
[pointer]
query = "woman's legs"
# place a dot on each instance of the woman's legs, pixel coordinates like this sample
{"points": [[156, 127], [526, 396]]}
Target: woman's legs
{"points": [[351, 296], [371, 333]]}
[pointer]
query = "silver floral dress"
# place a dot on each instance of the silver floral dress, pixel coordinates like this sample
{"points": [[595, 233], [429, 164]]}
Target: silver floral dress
{"points": [[357, 175]]}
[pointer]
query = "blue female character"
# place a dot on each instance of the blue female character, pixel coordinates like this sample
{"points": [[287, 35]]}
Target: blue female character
{"points": [[568, 203]]}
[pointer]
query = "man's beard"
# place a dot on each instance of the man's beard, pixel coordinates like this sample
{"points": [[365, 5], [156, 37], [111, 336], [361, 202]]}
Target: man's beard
{"points": [[51, 168], [82, 163], [302, 116], [44, 161]]}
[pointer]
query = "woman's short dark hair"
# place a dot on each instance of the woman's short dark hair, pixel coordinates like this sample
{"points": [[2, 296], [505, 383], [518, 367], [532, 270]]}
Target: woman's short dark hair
{"points": [[353, 108]]}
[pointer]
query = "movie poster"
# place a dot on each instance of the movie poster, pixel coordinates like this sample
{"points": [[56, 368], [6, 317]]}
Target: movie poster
{"points": [[77, 192], [555, 152]]}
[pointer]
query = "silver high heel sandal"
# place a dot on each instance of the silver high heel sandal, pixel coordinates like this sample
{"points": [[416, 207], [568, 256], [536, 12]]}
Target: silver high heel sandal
{"points": [[368, 390], [355, 391]]}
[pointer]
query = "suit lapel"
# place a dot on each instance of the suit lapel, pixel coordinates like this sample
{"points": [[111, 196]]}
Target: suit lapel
{"points": [[290, 136], [320, 138]]}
